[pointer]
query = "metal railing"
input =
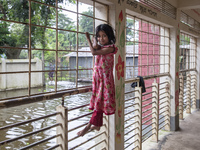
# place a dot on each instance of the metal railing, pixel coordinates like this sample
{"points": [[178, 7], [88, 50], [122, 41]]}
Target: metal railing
{"points": [[187, 94], [146, 113]]}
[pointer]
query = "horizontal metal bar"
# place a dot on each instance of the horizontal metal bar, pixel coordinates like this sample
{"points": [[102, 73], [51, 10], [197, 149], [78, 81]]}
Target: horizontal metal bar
{"points": [[148, 109], [53, 147], [131, 112], [163, 82], [130, 137], [132, 80], [131, 144], [39, 142], [163, 102], [130, 106], [162, 122], [42, 97], [148, 77], [148, 125], [147, 138], [80, 117], [163, 117], [149, 131], [77, 127], [96, 144], [150, 87], [162, 88], [162, 98], [78, 107], [148, 115], [28, 134], [148, 104], [187, 70], [130, 124], [162, 112], [163, 107], [148, 98], [31, 120], [131, 92], [162, 127], [148, 93], [131, 130], [87, 140], [131, 118], [132, 98]]}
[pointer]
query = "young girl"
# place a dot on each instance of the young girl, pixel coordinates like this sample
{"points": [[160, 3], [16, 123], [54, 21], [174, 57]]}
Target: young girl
{"points": [[103, 90]]}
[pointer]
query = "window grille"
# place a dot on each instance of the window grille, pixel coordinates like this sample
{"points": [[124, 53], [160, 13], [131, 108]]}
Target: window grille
{"points": [[147, 48], [45, 49], [147, 55], [161, 6], [186, 19], [188, 51]]}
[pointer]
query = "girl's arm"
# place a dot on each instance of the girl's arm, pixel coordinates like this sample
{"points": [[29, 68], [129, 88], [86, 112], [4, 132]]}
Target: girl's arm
{"points": [[103, 51]]}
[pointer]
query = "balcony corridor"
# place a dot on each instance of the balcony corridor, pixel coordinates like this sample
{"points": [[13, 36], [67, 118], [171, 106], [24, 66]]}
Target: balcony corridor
{"points": [[187, 138]]}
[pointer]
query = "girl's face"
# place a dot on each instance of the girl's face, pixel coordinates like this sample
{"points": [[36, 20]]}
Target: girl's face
{"points": [[102, 38]]}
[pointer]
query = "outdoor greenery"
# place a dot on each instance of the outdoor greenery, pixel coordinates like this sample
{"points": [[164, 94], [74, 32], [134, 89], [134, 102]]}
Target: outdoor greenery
{"points": [[17, 34]]}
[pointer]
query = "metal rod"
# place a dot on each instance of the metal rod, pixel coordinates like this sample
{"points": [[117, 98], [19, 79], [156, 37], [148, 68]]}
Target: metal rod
{"points": [[39, 142], [24, 122], [80, 117], [28, 134], [53, 147]]}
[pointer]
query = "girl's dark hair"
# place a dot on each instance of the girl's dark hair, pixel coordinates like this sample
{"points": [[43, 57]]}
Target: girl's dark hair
{"points": [[108, 31]]}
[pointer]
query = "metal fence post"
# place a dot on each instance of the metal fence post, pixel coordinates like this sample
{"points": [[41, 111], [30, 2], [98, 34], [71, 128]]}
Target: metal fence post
{"points": [[138, 101], [181, 97], [194, 90], [155, 111], [62, 118], [188, 94]]}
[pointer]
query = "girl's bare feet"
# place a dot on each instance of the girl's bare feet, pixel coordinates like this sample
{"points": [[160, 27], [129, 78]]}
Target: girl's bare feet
{"points": [[84, 131]]}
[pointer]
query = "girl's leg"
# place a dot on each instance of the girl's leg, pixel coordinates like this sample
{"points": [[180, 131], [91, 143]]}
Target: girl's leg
{"points": [[84, 131], [96, 120], [95, 123]]}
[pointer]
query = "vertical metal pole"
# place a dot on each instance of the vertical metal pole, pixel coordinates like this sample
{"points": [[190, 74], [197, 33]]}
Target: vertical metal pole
{"points": [[188, 94], [56, 67], [155, 111], [138, 113], [181, 97], [62, 118], [29, 49]]}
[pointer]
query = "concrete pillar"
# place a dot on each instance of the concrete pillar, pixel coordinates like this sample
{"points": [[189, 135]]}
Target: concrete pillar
{"points": [[198, 73], [174, 74], [117, 20]]}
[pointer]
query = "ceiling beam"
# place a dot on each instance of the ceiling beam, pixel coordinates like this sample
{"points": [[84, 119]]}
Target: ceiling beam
{"points": [[188, 4]]}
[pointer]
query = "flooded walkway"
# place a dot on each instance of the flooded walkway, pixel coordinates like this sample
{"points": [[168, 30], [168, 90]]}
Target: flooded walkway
{"points": [[187, 138]]}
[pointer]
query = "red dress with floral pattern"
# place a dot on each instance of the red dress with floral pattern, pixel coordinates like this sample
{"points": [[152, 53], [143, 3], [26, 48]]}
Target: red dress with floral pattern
{"points": [[103, 90]]}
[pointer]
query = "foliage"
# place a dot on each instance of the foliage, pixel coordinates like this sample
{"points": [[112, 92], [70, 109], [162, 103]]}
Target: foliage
{"points": [[16, 34]]}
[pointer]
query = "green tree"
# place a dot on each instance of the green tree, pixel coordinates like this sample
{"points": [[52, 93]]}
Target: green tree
{"points": [[85, 25]]}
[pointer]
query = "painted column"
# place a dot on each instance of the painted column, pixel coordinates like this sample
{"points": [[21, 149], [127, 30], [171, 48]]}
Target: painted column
{"points": [[174, 74], [116, 122], [198, 73]]}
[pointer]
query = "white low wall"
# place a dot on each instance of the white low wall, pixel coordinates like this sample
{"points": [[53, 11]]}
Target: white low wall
{"points": [[19, 80]]}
